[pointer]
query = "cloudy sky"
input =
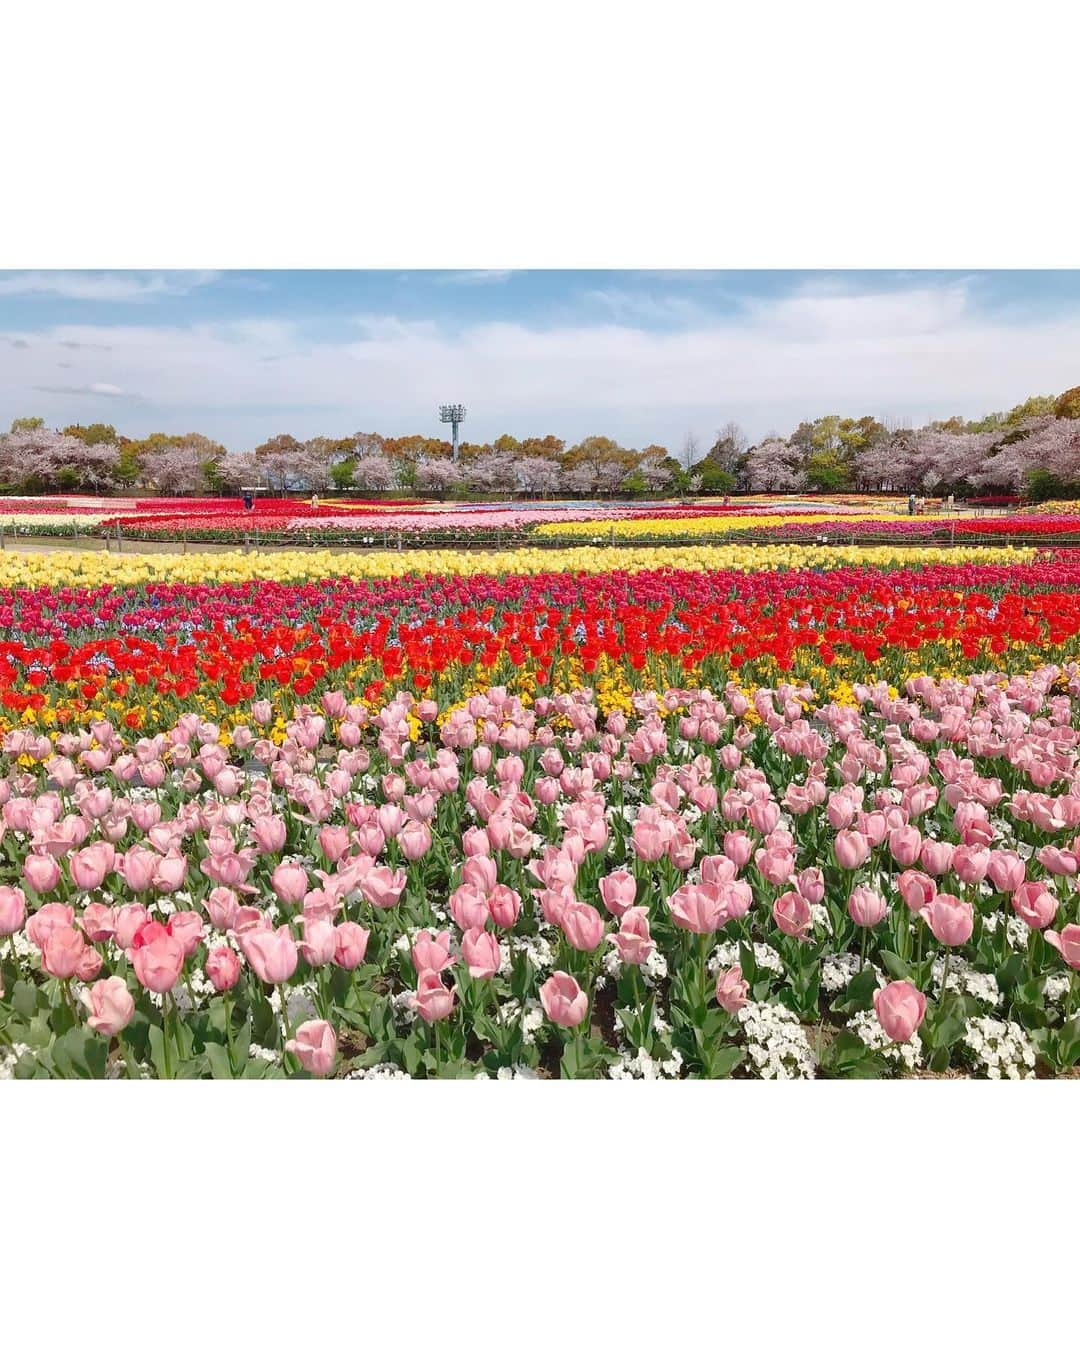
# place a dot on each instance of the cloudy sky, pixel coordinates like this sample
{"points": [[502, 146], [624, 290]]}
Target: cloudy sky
{"points": [[643, 356]]}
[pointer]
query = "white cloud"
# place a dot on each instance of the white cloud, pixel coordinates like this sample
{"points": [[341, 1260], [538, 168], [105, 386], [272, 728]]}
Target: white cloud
{"points": [[115, 287], [98, 388], [920, 352], [634, 307], [491, 276]]}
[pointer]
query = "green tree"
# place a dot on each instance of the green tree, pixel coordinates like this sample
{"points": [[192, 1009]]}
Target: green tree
{"points": [[97, 433], [1068, 405], [714, 479], [1039, 405], [28, 424], [341, 475], [829, 471]]}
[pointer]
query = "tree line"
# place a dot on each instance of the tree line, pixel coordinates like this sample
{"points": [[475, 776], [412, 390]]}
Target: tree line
{"points": [[1033, 449]]}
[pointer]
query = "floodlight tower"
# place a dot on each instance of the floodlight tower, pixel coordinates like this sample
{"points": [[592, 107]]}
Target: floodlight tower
{"points": [[454, 413]]}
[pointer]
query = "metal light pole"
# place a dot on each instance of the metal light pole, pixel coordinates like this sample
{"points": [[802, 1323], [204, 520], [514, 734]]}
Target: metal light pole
{"points": [[454, 413]]}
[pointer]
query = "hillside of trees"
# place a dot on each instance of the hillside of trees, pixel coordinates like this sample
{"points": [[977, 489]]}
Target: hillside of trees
{"points": [[1033, 449]]}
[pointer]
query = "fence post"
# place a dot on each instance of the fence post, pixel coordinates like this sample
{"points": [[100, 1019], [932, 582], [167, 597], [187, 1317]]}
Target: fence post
{"points": [[399, 541], [119, 545], [3, 540], [183, 541]]}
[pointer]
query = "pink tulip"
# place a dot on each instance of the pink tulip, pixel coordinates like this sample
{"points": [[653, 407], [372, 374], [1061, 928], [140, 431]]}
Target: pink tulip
{"points": [[1058, 862], [738, 846], [414, 841], [1035, 904], [271, 953], [900, 1009], [1067, 942], [650, 841], [269, 833], [158, 964], [46, 920], [469, 907], [618, 891], [564, 1000], [936, 856], [431, 951], [583, 926], [480, 951], [852, 849], [791, 914], [12, 910], [129, 919], [916, 889], [697, 908], [951, 919], [504, 906], [350, 945], [90, 963], [187, 928], [111, 1006], [171, 872], [1005, 870], [41, 872], [319, 942], [732, 991], [137, 866], [91, 865], [633, 941], [904, 844], [764, 816], [776, 864], [290, 883], [810, 884], [221, 906], [334, 842], [64, 949], [432, 1000], [315, 1046], [866, 907], [481, 873], [222, 968], [970, 864], [382, 887], [97, 921]]}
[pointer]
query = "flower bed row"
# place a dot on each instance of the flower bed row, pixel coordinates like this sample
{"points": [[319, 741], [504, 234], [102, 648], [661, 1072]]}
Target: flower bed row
{"points": [[706, 885]]}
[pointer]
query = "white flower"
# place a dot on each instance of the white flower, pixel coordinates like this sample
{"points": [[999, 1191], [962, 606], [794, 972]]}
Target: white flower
{"points": [[776, 1042], [1000, 1049]]}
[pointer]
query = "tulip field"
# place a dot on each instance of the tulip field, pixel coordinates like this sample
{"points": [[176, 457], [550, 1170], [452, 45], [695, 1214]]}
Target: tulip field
{"points": [[780, 807]]}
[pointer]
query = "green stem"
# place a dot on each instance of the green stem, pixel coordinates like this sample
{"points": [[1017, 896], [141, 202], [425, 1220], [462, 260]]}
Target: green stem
{"points": [[283, 997], [165, 1036], [228, 1032]]}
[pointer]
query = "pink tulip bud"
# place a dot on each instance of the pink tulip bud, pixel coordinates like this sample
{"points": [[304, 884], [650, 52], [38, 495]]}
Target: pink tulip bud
{"points": [[900, 1009]]}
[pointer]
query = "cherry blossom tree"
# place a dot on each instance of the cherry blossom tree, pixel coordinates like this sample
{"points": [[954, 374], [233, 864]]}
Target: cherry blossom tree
{"points": [[437, 475], [538, 475], [497, 471], [1050, 445], [174, 470], [774, 466], [374, 473]]}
